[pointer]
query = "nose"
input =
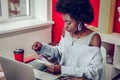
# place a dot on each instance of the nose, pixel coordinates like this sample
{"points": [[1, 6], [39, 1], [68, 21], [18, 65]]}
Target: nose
{"points": [[65, 25]]}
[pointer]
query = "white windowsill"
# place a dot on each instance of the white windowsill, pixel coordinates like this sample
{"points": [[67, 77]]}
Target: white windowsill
{"points": [[13, 26]]}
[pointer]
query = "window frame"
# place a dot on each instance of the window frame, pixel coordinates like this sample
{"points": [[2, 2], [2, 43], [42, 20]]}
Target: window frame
{"points": [[4, 10]]}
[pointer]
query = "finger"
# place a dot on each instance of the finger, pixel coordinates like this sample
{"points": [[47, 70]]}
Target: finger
{"points": [[50, 68]]}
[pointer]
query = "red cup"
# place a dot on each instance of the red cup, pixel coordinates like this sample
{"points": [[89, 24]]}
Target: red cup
{"points": [[19, 55]]}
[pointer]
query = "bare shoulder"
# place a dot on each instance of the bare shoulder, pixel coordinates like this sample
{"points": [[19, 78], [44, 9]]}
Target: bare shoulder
{"points": [[95, 40]]}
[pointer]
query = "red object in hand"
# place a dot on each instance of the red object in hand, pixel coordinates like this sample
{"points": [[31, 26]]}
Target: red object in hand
{"points": [[19, 55]]}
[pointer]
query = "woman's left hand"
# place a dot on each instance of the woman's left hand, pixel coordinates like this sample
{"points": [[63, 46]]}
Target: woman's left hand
{"points": [[56, 69]]}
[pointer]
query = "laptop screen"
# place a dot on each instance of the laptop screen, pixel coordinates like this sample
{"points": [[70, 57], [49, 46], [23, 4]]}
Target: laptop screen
{"points": [[15, 70]]}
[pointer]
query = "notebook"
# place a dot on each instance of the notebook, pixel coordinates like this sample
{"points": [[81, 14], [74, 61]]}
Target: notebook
{"points": [[39, 64]]}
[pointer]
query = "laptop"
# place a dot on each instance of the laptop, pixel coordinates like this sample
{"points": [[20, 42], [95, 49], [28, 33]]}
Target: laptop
{"points": [[2, 75], [15, 70]]}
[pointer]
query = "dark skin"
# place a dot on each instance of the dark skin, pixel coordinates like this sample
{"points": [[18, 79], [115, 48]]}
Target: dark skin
{"points": [[70, 25]]}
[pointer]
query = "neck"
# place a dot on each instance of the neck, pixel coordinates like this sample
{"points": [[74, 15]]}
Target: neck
{"points": [[79, 34]]}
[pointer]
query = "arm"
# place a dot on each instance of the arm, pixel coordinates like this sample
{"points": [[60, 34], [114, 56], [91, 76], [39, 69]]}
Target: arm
{"points": [[50, 52]]}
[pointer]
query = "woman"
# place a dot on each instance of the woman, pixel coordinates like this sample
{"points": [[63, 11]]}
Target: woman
{"points": [[78, 53]]}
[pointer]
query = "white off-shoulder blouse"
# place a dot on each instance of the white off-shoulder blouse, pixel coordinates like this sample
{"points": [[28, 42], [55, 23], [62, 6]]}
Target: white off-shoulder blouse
{"points": [[76, 58]]}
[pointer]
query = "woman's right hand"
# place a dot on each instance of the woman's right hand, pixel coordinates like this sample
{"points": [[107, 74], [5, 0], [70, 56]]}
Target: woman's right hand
{"points": [[37, 46]]}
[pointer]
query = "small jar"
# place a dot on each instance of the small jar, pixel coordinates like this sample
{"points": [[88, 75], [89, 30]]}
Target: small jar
{"points": [[19, 55]]}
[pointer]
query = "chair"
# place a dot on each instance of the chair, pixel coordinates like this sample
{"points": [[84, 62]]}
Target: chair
{"points": [[103, 51]]}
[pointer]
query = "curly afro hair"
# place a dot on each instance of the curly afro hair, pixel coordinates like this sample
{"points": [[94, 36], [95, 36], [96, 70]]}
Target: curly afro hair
{"points": [[80, 10]]}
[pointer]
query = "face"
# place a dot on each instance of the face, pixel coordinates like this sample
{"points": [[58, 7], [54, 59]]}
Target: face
{"points": [[69, 24]]}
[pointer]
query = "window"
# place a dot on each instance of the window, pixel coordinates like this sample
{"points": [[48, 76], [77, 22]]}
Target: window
{"points": [[15, 9], [30, 14], [18, 8], [22, 9]]}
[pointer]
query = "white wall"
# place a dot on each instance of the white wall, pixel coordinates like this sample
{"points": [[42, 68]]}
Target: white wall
{"points": [[23, 39]]}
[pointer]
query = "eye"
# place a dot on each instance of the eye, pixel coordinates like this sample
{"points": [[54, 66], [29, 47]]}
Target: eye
{"points": [[68, 22]]}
